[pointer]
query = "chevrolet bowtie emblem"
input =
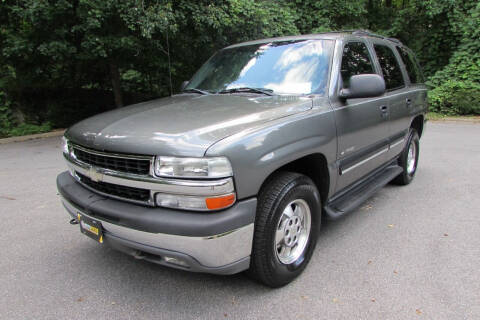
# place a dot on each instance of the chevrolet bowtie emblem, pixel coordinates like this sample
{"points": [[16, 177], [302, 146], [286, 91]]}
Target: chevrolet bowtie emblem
{"points": [[95, 175]]}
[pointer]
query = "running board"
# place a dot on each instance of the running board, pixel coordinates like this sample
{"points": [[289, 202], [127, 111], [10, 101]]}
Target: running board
{"points": [[355, 197]]}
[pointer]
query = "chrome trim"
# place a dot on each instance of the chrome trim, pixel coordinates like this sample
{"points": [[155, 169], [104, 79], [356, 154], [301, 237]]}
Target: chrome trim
{"points": [[111, 155], [212, 251], [206, 188], [393, 145], [173, 186], [154, 197], [343, 171], [158, 158], [150, 202]]}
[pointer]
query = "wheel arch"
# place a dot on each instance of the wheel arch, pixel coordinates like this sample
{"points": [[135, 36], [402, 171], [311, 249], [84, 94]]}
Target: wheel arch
{"points": [[314, 166], [417, 124]]}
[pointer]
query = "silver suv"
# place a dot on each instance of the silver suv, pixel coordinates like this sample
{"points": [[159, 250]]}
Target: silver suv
{"points": [[237, 170]]}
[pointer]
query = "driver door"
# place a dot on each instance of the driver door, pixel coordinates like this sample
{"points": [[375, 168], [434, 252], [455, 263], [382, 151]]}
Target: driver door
{"points": [[362, 124]]}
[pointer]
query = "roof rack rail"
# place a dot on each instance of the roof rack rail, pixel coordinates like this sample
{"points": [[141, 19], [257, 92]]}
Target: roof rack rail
{"points": [[362, 32], [371, 34], [337, 31], [394, 40]]}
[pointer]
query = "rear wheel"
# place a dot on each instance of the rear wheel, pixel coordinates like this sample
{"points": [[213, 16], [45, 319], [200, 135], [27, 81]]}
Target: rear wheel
{"points": [[408, 159], [286, 228]]}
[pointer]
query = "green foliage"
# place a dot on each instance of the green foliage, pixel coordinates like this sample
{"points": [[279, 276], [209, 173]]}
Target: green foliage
{"points": [[64, 60], [26, 128], [318, 16], [5, 116], [455, 97], [8, 126], [456, 87]]}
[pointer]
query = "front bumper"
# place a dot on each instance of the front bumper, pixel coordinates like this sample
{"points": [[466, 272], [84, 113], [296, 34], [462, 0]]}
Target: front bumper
{"points": [[219, 242]]}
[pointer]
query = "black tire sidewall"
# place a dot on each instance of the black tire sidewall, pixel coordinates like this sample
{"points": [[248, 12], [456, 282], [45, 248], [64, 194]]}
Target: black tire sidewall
{"points": [[413, 137], [301, 188]]}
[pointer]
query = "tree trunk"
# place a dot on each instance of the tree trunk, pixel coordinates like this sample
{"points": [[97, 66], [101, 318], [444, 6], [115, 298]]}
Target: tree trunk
{"points": [[388, 3], [116, 85], [369, 9]]}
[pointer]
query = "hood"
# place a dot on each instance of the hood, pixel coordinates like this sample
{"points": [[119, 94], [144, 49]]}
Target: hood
{"points": [[181, 125]]}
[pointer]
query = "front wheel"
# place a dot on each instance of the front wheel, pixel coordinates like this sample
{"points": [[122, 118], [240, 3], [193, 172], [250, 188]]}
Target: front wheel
{"points": [[408, 159], [286, 228]]}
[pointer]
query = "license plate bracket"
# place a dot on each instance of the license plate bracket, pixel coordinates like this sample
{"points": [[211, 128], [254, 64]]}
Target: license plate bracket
{"points": [[90, 227]]}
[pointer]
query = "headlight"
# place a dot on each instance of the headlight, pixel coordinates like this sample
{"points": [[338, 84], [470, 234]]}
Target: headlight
{"points": [[171, 167], [65, 148]]}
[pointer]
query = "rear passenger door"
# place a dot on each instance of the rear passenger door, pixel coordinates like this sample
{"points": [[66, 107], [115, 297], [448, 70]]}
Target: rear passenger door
{"points": [[399, 98], [417, 91], [362, 124]]}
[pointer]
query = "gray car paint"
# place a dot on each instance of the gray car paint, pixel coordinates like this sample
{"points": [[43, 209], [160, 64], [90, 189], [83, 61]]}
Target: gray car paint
{"points": [[181, 125], [360, 125], [258, 151], [400, 111], [258, 134], [352, 126]]}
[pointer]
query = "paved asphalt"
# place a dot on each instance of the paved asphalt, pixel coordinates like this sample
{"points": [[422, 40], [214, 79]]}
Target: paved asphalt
{"points": [[409, 253]]}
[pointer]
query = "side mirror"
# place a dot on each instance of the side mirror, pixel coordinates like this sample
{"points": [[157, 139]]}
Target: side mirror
{"points": [[184, 85], [364, 86]]}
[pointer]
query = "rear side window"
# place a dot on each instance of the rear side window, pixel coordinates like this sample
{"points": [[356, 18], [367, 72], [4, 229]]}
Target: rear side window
{"points": [[355, 60], [411, 65], [390, 67]]}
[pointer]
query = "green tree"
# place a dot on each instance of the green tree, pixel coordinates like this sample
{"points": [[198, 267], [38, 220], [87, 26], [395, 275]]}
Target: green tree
{"points": [[456, 88], [63, 60]]}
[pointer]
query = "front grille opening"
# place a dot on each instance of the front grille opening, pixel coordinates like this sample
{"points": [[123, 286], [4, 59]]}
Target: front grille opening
{"points": [[116, 190], [135, 166]]}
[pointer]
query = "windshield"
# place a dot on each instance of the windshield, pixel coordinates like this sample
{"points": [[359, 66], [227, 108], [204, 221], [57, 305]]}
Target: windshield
{"points": [[288, 67]]}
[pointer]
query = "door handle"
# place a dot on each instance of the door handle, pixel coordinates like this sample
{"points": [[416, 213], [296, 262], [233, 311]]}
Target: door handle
{"points": [[408, 101], [384, 110]]}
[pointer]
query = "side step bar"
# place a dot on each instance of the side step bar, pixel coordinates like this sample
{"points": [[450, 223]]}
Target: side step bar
{"points": [[352, 199]]}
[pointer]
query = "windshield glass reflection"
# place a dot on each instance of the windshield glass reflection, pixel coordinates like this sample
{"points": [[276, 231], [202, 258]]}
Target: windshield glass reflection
{"points": [[288, 67]]}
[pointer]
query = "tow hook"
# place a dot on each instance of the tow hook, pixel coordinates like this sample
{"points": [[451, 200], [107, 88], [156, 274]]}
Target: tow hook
{"points": [[138, 255], [73, 221]]}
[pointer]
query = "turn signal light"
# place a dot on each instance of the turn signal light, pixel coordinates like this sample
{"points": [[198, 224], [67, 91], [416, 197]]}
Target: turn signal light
{"points": [[196, 203], [220, 202]]}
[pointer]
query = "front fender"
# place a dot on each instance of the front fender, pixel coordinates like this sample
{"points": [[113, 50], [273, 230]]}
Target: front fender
{"points": [[257, 152]]}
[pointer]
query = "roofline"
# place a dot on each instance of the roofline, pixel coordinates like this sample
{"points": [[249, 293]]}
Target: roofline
{"points": [[368, 33], [331, 35], [319, 36]]}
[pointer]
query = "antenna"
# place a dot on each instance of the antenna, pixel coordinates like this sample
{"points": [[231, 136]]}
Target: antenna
{"points": [[169, 66]]}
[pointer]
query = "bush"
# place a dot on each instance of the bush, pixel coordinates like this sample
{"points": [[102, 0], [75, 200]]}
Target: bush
{"points": [[456, 87], [5, 116], [26, 128], [8, 127], [455, 97]]}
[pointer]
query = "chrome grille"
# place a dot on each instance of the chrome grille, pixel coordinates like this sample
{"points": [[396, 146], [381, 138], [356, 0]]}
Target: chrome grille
{"points": [[115, 190], [119, 163], [101, 172]]}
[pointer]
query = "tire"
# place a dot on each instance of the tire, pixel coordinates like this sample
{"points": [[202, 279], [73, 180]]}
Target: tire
{"points": [[409, 169], [276, 263]]}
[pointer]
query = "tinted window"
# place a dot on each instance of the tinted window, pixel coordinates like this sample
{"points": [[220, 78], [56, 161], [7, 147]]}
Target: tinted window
{"points": [[411, 65], [355, 60], [390, 67], [293, 67]]}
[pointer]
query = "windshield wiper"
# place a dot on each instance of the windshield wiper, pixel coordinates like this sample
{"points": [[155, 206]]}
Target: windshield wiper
{"points": [[196, 91], [268, 92]]}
